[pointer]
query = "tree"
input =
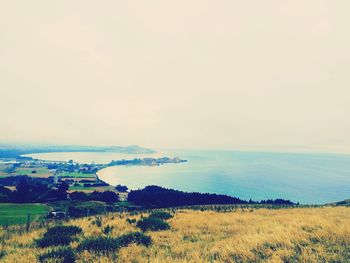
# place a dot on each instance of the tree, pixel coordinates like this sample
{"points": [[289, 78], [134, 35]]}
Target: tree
{"points": [[121, 188]]}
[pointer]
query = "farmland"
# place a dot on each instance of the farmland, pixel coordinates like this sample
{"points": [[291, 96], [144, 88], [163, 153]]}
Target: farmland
{"points": [[11, 214], [35, 172]]}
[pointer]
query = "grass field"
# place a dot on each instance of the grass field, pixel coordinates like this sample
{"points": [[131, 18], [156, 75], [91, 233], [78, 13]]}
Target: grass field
{"points": [[243, 235], [11, 214], [77, 175], [80, 188], [39, 172], [91, 189]]}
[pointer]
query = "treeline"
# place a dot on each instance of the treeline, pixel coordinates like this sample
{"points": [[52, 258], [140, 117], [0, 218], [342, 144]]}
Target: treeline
{"points": [[15, 180], [158, 197], [106, 196], [30, 190]]}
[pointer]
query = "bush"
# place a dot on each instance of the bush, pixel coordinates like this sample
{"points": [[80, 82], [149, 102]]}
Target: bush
{"points": [[97, 221], [161, 215], [152, 224], [76, 212], [99, 245], [121, 188], [48, 241], [131, 221], [135, 237], [62, 255], [107, 245], [106, 196], [58, 236], [107, 230], [64, 230], [2, 254]]}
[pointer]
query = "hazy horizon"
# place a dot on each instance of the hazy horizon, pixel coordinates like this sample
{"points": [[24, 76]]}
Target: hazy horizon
{"points": [[258, 75]]}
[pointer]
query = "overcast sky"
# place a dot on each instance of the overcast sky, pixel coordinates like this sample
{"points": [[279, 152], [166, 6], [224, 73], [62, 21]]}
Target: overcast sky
{"points": [[243, 75]]}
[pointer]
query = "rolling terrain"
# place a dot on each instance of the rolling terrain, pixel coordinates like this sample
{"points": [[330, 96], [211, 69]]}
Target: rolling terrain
{"points": [[236, 235]]}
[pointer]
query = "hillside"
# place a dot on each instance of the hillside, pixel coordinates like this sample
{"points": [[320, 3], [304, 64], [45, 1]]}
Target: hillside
{"points": [[241, 235]]}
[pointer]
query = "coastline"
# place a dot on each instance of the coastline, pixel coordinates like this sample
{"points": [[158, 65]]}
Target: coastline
{"points": [[243, 174], [100, 176]]}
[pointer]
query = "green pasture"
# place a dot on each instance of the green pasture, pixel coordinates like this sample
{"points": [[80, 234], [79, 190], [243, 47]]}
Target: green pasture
{"points": [[13, 214], [76, 175]]}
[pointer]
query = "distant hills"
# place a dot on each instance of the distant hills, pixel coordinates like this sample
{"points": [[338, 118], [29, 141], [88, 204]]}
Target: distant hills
{"points": [[12, 151]]}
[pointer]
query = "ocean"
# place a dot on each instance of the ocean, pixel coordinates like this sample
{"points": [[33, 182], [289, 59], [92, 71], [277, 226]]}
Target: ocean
{"points": [[304, 178]]}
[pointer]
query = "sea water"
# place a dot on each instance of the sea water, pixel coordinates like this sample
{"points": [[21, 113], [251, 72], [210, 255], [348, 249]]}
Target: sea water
{"points": [[304, 178]]}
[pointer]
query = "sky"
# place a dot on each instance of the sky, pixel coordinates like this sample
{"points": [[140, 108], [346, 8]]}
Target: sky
{"points": [[241, 75]]}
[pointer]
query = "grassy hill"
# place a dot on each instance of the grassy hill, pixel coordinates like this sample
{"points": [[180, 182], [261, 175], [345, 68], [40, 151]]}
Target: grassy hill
{"points": [[243, 235]]}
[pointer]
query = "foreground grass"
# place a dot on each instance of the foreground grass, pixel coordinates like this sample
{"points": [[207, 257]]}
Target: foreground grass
{"points": [[11, 214], [244, 235]]}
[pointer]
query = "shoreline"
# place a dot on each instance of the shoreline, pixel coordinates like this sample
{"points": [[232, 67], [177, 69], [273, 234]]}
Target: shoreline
{"points": [[240, 175]]}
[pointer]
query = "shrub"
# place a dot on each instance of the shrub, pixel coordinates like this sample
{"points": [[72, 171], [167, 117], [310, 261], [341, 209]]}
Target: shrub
{"points": [[58, 236], [107, 230], [161, 215], [62, 255], [97, 221], [121, 188], [48, 241], [99, 245], [64, 230], [107, 245], [2, 254], [131, 220], [135, 237], [106, 196], [76, 212], [152, 224]]}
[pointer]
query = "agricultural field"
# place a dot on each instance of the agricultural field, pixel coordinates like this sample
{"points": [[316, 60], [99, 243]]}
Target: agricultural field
{"points": [[34, 172], [242, 235], [12, 214], [77, 175], [81, 188]]}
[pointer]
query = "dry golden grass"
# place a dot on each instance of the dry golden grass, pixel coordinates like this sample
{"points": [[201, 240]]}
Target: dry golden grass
{"points": [[261, 235]]}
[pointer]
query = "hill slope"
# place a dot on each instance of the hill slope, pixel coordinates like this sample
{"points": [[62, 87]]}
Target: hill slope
{"points": [[243, 235]]}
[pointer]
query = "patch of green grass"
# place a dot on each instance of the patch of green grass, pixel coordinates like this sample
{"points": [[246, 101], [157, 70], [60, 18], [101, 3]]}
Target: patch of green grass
{"points": [[13, 214], [80, 188], [76, 175]]}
